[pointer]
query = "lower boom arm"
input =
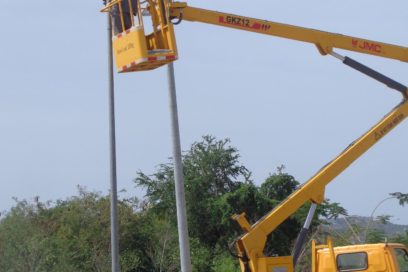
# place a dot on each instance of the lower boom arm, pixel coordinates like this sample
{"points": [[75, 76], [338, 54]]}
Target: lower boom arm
{"points": [[252, 243]]}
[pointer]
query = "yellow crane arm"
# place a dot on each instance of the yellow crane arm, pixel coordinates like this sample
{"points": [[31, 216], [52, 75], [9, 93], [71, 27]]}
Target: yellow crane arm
{"points": [[136, 51], [253, 242], [250, 246], [325, 41]]}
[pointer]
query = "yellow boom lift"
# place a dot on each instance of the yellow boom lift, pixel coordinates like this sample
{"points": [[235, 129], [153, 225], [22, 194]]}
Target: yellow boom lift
{"points": [[136, 51]]}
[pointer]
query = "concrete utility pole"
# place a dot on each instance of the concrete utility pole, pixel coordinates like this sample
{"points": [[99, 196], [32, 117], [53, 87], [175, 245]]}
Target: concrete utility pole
{"points": [[178, 175], [113, 176]]}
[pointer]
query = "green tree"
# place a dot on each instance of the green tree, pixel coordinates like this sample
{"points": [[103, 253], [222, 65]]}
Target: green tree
{"points": [[401, 238], [375, 236], [402, 198], [74, 234], [25, 245], [71, 235], [218, 186], [211, 170]]}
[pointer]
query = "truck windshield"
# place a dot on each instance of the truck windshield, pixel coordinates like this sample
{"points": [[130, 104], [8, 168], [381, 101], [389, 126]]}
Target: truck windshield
{"points": [[402, 259]]}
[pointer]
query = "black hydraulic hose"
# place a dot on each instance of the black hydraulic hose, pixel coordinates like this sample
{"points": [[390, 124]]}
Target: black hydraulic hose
{"points": [[243, 258], [180, 19], [246, 263], [231, 251], [300, 241], [376, 75]]}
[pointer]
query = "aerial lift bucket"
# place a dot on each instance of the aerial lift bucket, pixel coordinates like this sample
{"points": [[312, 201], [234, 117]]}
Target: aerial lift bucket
{"points": [[133, 49]]}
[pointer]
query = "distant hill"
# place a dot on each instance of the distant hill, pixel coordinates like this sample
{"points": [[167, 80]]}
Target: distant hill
{"points": [[389, 229]]}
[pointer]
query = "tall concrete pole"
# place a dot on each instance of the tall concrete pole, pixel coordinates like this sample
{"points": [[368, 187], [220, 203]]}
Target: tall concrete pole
{"points": [[113, 176], [178, 175]]}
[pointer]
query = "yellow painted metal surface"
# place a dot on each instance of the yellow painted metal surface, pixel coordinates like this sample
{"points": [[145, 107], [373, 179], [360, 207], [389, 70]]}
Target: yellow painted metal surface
{"points": [[314, 256], [140, 52], [253, 242], [136, 51], [129, 47], [379, 257], [325, 41], [275, 264], [109, 5]]}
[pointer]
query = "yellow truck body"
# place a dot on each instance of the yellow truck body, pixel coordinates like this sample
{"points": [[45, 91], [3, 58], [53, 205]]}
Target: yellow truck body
{"points": [[384, 257]]}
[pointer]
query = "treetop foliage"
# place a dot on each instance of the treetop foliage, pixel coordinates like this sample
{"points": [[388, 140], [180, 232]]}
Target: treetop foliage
{"points": [[74, 234], [402, 198]]}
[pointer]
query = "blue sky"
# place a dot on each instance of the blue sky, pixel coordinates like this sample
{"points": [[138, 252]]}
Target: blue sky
{"points": [[279, 101]]}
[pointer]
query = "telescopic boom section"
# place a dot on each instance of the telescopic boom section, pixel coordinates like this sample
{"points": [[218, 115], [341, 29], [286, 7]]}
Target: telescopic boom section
{"points": [[325, 41]]}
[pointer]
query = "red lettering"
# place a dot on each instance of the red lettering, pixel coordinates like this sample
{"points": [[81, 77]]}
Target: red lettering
{"points": [[242, 22], [367, 46], [256, 26]]}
